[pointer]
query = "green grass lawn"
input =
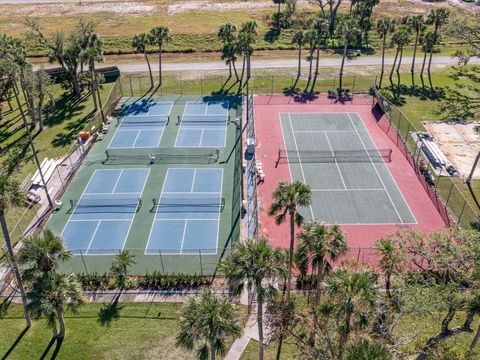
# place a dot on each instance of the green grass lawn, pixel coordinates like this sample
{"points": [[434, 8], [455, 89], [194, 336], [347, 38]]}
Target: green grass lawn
{"points": [[108, 331], [62, 125]]}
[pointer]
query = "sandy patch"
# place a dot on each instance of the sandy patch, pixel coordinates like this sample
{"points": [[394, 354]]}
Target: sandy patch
{"points": [[207, 5], [116, 8], [459, 143]]}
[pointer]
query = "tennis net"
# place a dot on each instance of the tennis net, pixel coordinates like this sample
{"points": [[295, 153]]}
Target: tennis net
{"points": [[338, 156], [203, 120], [162, 156], [204, 204], [110, 204], [144, 121]]}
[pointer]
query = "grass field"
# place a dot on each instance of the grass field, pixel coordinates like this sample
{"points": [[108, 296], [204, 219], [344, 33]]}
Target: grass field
{"points": [[194, 26], [107, 331]]}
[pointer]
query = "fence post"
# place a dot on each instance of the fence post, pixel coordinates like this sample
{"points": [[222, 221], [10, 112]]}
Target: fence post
{"points": [[353, 87], [161, 260], [140, 85], [271, 86], [201, 85], [201, 262], [131, 87], [448, 196], [461, 213], [83, 260], [181, 86]]}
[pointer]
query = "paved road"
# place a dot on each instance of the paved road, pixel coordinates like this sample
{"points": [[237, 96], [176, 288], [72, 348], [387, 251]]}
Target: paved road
{"points": [[292, 63]]}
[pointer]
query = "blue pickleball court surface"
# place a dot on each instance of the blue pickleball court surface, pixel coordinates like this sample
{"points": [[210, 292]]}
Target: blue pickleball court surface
{"points": [[203, 124], [100, 220], [187, 215], [142, 126]]}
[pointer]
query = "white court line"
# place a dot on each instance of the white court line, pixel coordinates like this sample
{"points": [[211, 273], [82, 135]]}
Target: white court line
{"points": [[376, 170], [388, 171], [93, 236], [201, 138], [193, 180], [336, 163], [186, 192], [298, 154], [136, 138], [324, 131], [118, 179], [90, 220], [183, 235]]}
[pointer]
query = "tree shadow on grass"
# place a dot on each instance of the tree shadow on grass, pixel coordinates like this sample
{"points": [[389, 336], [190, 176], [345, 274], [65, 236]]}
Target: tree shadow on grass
{"points": [[58, 344], [66, 107], [15, 343], [71, 131], [110, 312]]}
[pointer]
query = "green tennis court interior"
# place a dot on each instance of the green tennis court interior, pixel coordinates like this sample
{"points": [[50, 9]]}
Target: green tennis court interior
{"points": [[163, 183], [350, 182]]}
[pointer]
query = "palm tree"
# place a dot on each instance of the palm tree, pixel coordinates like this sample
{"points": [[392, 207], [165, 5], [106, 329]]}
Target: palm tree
{"points": [[139, 44], [120, 265], [92, 53], [227, 34], [287, 198], [417, 23], [277, 17], [40, 255], [400, 38], [319, 243], [298, 39], [51, 296], [347, 29], [254, 265], [158, 36], [428, 42], [246, 38], [310, 36], [352, 298], [208, 321], [366, 350], [321, 31], [10, 194], [391, 257], [437, 18], [384, 27]]}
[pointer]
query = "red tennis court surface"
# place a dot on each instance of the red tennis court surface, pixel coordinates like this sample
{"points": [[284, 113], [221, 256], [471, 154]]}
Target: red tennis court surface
{"points": [[362, 237]]}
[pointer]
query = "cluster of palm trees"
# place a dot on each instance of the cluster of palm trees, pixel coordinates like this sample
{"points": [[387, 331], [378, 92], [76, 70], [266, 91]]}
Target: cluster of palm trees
{"points": [[414, 27], [238, 43], [157, 37]]}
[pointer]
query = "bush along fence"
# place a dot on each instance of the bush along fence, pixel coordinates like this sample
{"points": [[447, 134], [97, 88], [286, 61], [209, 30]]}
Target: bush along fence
{"points": [[442, 190]]}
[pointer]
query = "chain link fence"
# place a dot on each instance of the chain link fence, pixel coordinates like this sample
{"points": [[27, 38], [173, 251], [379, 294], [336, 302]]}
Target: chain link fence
{"points": [[444, 192]]}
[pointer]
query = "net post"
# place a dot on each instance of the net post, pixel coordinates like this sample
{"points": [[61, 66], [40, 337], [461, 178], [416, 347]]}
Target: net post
{"points": [[278, 158], [83, 261], [201, 261], [161, 261]]}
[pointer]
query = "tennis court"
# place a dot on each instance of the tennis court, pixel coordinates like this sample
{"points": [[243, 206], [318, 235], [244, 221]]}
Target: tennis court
{"points": [[335, 155], [100, 220], [142, 126], [203, 124], [187, 213]]}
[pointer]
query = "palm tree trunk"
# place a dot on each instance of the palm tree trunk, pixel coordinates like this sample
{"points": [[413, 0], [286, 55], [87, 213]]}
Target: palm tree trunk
{"points": [[40, 112], [316, 70], [235, 70], [310, 67], [428, 70], [398, 73], [260, 324], [423, 70], [390, 77], [61, 321], [8, 242], [318, 295], [475, 339], [159, 66], [212, 349], [94, 87], [383, 60], [243, 70], [412, 69], [340, 77], [290, 254], [149, 70], [475, 163], [387, 284], [299, 69]]}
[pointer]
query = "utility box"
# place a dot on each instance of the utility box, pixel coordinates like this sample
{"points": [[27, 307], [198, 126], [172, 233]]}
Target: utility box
{"points": [[250, 146]]}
